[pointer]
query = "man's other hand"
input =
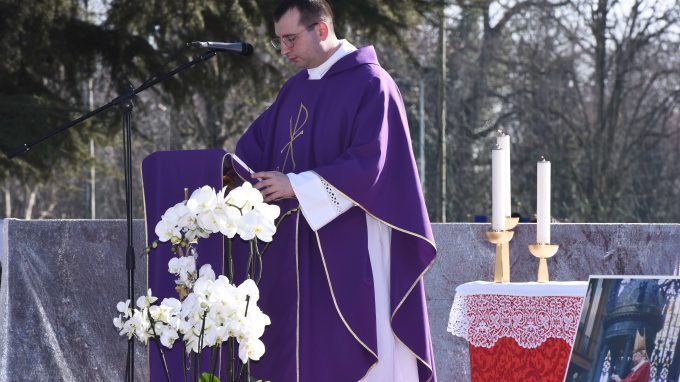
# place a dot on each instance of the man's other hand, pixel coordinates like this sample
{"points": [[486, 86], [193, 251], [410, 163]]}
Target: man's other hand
{"points": [[273, 185]]}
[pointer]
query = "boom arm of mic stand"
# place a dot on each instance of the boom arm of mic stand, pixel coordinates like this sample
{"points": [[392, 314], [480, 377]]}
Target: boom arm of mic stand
{"points": [[11, 153]]}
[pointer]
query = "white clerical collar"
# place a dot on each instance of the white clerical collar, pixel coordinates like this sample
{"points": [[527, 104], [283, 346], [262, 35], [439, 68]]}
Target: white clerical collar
{"points": [[321, 70]]}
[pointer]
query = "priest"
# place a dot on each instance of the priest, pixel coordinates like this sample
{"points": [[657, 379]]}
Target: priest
{"points": [[641, 368], [343, 279]]}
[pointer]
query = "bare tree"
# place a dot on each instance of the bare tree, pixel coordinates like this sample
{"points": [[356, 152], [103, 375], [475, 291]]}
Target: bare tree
{"points": [[601, 99]]}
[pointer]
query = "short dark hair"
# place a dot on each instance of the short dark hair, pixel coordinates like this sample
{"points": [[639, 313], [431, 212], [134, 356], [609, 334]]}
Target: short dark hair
{"points": [[310, 10]]}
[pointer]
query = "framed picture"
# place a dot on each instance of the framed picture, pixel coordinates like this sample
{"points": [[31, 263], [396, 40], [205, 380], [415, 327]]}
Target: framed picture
{"points": [[628, 331]]}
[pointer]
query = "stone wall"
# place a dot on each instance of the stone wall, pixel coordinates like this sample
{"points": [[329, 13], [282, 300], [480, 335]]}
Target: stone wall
{"points": [[60, 281]]}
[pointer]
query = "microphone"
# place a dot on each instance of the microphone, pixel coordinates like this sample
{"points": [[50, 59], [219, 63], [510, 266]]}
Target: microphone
{"points": [[241, 48]]}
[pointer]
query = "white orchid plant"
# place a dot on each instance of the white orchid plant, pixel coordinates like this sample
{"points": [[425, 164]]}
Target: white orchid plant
{"points": [[211, 309]]}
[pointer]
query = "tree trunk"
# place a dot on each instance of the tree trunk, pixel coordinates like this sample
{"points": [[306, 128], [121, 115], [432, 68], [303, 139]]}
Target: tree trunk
{"points": [[600, 146], [44, 214], [8, 199], [442, 114], [32, 193], [93, 183]]}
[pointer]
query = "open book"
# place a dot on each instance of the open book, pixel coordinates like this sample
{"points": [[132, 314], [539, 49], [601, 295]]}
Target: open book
{"points": [[235, 171]]}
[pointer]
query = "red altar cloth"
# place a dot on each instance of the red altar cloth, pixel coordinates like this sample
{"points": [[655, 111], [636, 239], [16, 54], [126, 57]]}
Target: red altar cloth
{"points": [[507, 361], [517, 331]]}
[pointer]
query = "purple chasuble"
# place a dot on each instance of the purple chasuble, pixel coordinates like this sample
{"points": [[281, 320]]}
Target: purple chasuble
{"points": [[350, 128]]}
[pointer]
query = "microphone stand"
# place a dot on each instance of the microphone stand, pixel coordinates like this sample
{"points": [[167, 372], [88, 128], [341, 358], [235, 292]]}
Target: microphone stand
{"points": [[125, 102]]}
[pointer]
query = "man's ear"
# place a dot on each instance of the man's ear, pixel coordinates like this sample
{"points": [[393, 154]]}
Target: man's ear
{"points": [[323, 30]]}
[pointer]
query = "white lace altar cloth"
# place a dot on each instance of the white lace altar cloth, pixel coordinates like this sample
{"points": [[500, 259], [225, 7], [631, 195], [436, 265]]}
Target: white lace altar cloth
{"points": [[530, 313]]}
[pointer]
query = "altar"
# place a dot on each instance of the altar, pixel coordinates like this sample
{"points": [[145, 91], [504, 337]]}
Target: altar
{"points": [[517, 331]]}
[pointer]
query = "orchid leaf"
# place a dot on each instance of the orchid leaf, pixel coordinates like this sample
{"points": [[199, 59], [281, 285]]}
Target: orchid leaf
{"points": [[208, 377]]}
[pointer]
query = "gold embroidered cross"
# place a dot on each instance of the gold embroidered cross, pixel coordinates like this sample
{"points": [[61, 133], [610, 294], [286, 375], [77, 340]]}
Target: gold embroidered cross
{"points": [[295, 132]]}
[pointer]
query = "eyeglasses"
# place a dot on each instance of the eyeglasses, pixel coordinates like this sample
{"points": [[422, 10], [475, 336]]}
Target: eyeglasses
{"points": [[289, 39]]}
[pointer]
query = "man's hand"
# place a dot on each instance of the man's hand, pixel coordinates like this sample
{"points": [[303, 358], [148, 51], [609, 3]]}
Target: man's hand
{"points": [[616, 378], [273, 185]]}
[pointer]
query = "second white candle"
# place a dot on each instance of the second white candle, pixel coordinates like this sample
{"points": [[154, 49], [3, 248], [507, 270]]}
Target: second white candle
{"points": [[504, 142], [543, 202], [497, 188]]}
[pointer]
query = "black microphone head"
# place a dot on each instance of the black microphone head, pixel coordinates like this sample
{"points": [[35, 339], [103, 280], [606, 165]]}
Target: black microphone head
{"points": [[195, 44], [240, 48], [247, 49]]}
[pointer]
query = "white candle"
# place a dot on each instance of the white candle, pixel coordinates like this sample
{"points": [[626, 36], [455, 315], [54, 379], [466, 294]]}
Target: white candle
{"points": [[497, 186], [504, 142], [543, 202]]}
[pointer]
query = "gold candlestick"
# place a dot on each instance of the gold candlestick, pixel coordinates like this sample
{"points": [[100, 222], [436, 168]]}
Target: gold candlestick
{"points": [[502, 240], [511, 223], [543, 251]]}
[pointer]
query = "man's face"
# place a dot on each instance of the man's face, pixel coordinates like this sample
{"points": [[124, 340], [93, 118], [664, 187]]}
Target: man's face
{"points": [[306, 51], [637, 357]]}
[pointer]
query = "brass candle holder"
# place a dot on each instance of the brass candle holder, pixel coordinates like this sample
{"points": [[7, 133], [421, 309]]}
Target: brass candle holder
{"points": [[543, 251], [511, 223], [501, 238]]}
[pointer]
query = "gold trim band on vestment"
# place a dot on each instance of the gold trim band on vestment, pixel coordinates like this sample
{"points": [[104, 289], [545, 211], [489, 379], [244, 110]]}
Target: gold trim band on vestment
{"points": [[224, 265], [369, 370], [335, 302], [224, 157], [297, 318], [399, 338], [420, 277], [146, 240], [375, 217]]}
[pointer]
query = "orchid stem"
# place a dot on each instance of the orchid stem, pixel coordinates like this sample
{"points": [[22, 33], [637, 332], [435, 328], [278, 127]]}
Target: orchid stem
{"points": [[290, 212], [240, 373], [259, 263], [230, 364], [196, 362], [259, 275], [249, 270], [230, 262], [213, 363], [200, 344], [159, 345], [184, 360]]}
